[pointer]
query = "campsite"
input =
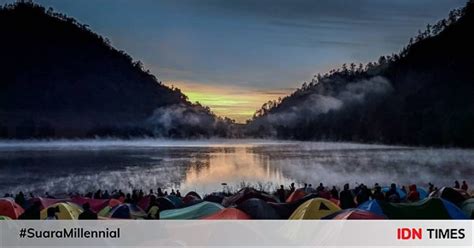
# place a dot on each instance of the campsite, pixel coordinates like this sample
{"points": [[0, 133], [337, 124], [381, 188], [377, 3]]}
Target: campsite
{"points": [[303, 203]]}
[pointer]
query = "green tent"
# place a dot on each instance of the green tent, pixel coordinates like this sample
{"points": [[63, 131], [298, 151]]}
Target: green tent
{"points": [[468, 208], [196, 211]]}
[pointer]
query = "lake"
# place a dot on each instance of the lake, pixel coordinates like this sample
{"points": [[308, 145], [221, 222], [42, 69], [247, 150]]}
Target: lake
{"points": [[204, 166]]}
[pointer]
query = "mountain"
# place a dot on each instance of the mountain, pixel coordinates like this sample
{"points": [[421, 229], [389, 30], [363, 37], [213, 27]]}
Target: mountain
{"points": [[58, 79], [422, 96]]}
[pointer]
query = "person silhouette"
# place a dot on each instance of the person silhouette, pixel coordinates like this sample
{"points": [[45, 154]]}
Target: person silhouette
{"points": [[87, 214]]}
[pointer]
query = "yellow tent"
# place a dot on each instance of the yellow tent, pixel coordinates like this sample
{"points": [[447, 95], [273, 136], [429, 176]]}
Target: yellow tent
{"points": [[67, 211], [315, 208]]}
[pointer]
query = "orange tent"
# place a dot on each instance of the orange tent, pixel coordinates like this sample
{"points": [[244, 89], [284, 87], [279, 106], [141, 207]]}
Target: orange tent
{"points": [[228, 214], [8, 207], [296, 195]]}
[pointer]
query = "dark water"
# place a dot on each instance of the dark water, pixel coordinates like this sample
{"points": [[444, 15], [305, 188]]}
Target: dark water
{"points": [[68, 166]]}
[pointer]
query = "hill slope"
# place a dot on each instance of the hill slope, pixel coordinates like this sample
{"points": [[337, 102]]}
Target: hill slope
{"points": [[422, 96], [59, 79]]}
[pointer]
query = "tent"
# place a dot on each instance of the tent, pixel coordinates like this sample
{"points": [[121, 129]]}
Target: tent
{"points": [[177, 202], [190, 199], [67, 211], [96, 204], [315, 208], [8, 207], [296, 195], [228, 214], [402, 193], [423, 193], [455, 196], [193, 212], [429, 208], [165, 203], [468, 208], [123, 211], [285, 210], [214, 197], [354, 214], [258, 209], [144, 202], [45, 202], [193, 193], [4, 217], [189, 204], [245, 194]]}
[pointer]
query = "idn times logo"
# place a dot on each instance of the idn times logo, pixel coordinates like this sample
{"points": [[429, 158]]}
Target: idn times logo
{"points": [[405, 233]]}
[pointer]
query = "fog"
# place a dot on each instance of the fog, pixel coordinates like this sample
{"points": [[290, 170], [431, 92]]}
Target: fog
{"points": [[66, 166], [327, 97]]}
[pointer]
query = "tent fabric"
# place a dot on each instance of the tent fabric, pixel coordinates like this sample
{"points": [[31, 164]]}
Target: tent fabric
{"points": [[144, 203], [4, 217], [453, 210], [189, 204], [177, 202], [285, 210], [193, 212], [296, 195], [193, 193], [402, 193], [429, 208], [96, 204], [245, 194], [214, 197], [228, 214], [190, 198], [67, 211], [354, 214], [372, 206], [258, 209], [468, 208], [455, 196], [114, 202], [46, 202], [316, 208], [165, 203], [8, 207], [123, 211], [423, 193]]}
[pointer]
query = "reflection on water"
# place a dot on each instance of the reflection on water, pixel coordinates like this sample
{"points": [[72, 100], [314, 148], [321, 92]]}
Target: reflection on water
{"points": [[59, 167]]}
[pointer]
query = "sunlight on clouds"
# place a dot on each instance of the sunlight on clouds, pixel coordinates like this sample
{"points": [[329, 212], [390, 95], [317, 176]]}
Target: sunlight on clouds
{"points": [[238, 103]]}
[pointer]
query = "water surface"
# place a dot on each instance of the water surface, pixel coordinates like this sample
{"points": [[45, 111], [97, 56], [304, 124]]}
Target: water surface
{"points": [[69, 166]]}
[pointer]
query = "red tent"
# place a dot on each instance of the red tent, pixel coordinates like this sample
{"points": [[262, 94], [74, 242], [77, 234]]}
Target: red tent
{"points": [[8, 207], [228, 214], [46, 202], [355, 214], [245, 194], [190, 198], [296, 195], [144, 203]]}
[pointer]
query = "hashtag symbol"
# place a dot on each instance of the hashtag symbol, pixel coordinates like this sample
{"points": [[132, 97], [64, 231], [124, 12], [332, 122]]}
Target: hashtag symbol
{"points": [[22, 232]]}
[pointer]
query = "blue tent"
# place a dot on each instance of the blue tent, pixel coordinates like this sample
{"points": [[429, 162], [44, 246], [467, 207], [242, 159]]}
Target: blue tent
{"points": [[429, 208], [177, 202], [423, 193], [126, 211]]}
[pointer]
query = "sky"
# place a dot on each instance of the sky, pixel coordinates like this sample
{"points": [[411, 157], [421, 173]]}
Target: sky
{"points": [[235, 55]]}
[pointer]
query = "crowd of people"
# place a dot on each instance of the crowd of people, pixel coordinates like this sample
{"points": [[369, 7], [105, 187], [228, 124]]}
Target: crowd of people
{"points": [[347, 197]]}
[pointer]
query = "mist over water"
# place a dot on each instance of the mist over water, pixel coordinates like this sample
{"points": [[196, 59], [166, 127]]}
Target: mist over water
{"points": [[68, 166]]}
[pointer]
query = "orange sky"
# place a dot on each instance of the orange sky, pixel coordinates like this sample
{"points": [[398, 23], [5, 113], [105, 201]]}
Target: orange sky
{"points": [[238, 103]]}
